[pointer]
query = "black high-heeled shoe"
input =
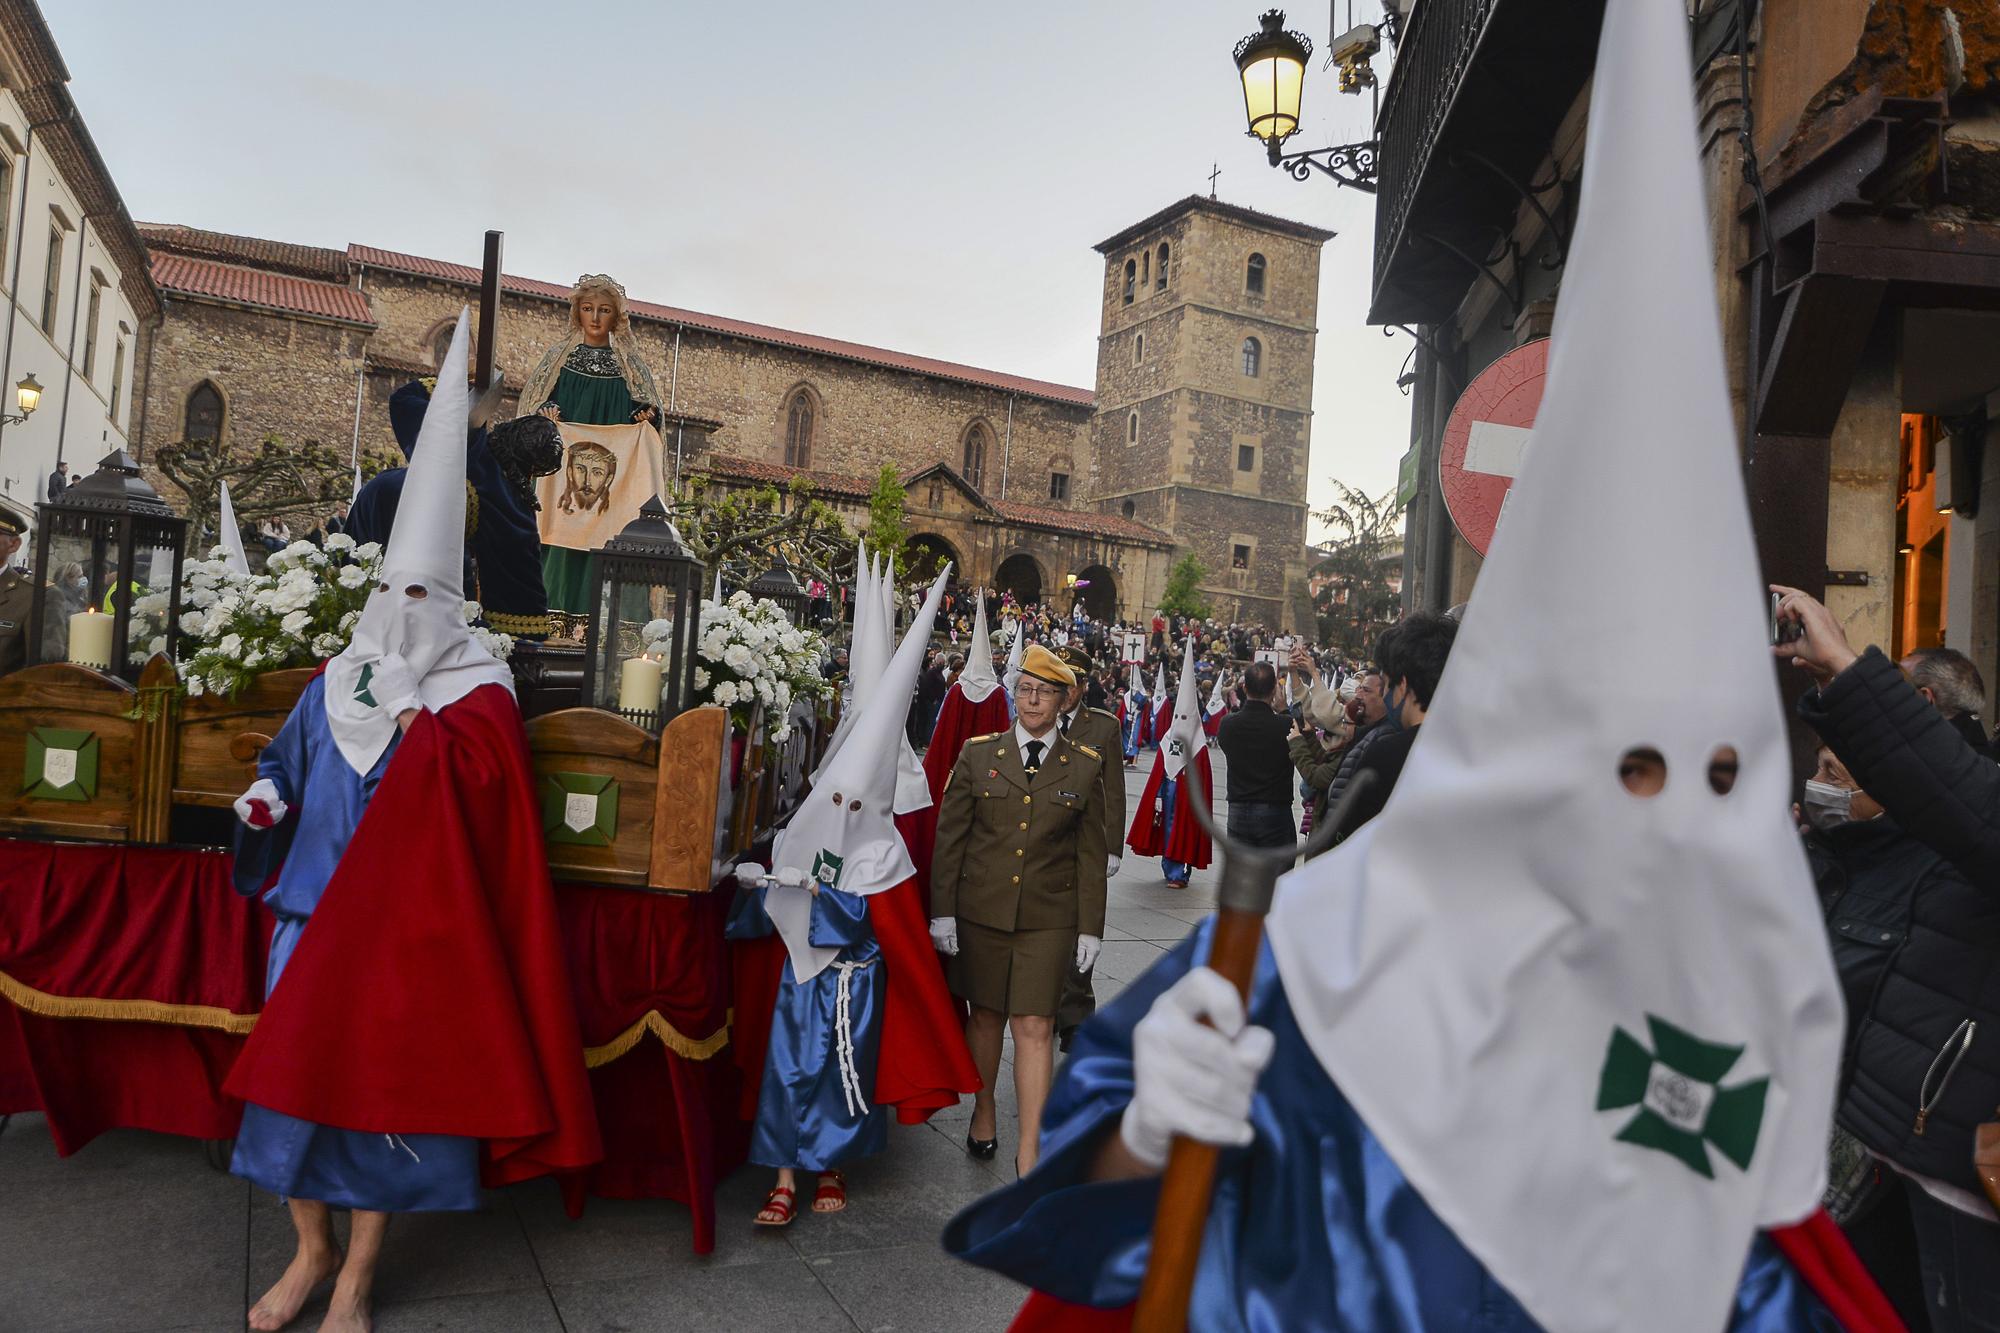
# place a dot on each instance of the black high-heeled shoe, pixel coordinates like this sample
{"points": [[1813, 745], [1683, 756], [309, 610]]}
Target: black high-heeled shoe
{"points": [[981, 1149]]}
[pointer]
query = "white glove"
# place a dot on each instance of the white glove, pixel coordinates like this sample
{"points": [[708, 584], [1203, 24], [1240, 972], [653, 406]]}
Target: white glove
{"points": [[749, 874], [790, 876], [260, 807], [944, 935], [1087, 949], [1189, 1079], [394, 686], [1111, 864]]}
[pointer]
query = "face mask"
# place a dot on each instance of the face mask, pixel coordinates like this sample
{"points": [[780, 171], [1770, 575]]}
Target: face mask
{"points": [[1392, 715], [1827, 806]]}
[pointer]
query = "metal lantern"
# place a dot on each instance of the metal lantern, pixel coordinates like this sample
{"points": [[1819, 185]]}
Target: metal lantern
{"points": [[780, 585], [105, 551], [642, 575], [1272, 64]]}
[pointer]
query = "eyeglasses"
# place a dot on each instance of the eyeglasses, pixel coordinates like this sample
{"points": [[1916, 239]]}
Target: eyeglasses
{"points": [[1033, 693]]}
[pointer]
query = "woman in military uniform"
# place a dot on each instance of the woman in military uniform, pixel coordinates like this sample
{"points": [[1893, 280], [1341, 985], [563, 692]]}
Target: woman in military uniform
{"points": [[1018, 889]]}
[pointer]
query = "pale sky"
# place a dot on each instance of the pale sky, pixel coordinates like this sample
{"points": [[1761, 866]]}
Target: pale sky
{"points": [[919, 177]]}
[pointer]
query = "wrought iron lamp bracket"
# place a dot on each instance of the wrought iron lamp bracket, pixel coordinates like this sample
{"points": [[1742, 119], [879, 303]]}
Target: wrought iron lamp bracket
{"points": [[1350, 164]]}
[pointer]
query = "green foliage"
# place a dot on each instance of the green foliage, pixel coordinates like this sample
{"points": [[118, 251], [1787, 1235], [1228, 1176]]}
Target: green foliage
{"points": [[1358, 602], [886, 523], [745, 529], [1183, 595]]}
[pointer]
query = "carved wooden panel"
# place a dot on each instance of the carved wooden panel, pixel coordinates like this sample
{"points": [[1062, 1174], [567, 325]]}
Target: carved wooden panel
{"points": [[691, 804], [61, 697], [590, 742], [221, 738]]}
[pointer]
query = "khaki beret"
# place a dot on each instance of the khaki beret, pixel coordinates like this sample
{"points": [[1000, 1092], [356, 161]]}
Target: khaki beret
{"points": [[1045, 665]]}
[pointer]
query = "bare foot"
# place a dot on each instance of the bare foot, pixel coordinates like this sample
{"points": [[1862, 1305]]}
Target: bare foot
{"points": [[347, 1317], [282, 1303]]}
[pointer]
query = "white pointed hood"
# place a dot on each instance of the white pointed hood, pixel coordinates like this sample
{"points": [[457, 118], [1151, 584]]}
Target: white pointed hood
{"points": [[426, 550], [913, 786], [1159, 682], [977, 680], [1215, 704], [1137, 687], [863, 664], [1015, 650], [844, 833], [1599, 1033], [716, 598], [1186, 737], [231, 534]]}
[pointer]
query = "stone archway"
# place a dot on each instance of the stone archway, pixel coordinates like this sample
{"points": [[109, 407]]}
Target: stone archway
{"points": [[929, 552], [1021, 575], [1100, 599]]}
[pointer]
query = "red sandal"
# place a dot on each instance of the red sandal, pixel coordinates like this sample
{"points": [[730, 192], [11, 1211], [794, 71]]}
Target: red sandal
{"points": [[831, 1196], [778, 1207]]}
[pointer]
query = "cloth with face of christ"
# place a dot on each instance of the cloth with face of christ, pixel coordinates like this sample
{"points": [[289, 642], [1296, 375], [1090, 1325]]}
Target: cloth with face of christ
{"points": [[608, 473]]}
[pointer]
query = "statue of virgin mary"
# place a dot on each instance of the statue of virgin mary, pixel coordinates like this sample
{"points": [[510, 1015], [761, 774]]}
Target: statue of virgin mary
{"points": [[593, 377]]}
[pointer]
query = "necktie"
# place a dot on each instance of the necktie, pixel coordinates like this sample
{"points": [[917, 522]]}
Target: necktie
{"points": [[1035, 749], [1065, 724]]}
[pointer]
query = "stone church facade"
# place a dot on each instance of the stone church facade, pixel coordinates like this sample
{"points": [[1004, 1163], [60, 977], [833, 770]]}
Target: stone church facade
{"points": [[1022, 483]]}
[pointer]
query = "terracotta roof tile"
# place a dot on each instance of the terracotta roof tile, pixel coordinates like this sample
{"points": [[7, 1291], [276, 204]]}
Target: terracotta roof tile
{"points": [[1202, 203], [186, 276], [736, 328], [304, 261], [1078, 521]]}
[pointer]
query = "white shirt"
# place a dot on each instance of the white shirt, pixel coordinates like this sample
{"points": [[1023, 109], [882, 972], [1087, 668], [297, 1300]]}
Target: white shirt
{"points": [[1047, 740]]}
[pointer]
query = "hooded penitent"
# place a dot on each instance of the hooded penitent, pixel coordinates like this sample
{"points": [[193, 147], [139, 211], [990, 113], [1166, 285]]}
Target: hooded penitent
{"points": [[1599, 1032], [973, 706], [1012, 675], [1163, 708], [1163, 825], [846, 828], [865, 658], [231, 534], [413, 621]]}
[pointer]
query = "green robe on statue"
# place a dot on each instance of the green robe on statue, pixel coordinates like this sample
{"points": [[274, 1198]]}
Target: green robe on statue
{"points": [[590, 391]]}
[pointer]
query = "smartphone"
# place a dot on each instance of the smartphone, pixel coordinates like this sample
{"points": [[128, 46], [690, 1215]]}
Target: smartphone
{"points": [[1784, 631]]}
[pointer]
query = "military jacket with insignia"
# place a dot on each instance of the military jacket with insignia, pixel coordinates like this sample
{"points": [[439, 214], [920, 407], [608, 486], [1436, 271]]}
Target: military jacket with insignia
{"points": [[1100, 731], [1016, 852]]}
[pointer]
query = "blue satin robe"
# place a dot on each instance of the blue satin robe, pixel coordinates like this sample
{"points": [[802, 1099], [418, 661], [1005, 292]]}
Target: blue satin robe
{"points": [[804, 1118], [1135, 715], [296, 1158], [1313, 1227], [1176, 871]]}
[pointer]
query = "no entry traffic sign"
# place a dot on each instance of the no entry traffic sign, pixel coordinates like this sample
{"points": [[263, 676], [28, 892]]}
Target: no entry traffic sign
{"points": [[1485, 438]]}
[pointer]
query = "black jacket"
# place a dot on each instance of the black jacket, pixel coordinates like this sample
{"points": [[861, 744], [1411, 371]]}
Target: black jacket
{"points": [[1384, 756], [1256, 741], [1930, 1031]]}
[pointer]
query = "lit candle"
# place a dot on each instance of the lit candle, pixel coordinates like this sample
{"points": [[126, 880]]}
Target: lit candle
{"points": [[90, 639], [638, 685]]}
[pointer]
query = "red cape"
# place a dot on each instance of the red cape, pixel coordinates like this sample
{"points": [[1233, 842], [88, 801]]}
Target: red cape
{"points": [[959, 720], [1817, 1251], [431, 995], [1189, 843], [1161, 722], [1213, 722], [924, 1065]]}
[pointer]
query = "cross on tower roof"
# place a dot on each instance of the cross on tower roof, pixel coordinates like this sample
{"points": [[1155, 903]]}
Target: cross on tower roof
{"points": [[1211, 179]]}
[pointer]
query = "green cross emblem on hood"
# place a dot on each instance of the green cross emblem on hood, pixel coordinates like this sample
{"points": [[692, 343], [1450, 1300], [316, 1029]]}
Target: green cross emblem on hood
{"points": [[1683, 1107], [361, 691]]}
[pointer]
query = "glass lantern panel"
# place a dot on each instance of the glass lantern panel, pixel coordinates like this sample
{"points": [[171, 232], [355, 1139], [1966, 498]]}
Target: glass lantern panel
{"points": [[79, 569], [150, 583]]}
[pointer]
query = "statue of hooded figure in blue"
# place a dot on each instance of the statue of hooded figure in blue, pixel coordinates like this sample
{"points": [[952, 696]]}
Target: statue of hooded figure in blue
{"points": [[1529, 1050], [503, 546]]}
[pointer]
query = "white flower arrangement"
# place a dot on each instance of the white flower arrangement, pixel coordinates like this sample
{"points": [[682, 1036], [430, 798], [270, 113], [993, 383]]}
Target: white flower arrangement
{"points": [[746, 653], [302, 609]]}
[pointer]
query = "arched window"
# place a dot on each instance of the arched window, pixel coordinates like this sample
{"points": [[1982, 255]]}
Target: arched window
{"points": [[1130, 507], [1253, 276], [799, 430], [976, 440], [204, 413], [1145, 270], [1253, 357], [1138, 348], [1132, 428], [441, 342], [1160, 278], [1131, 279]]}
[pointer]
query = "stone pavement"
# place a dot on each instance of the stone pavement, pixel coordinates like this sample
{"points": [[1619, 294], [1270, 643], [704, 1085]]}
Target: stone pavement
{"points": [[138, 1234]]}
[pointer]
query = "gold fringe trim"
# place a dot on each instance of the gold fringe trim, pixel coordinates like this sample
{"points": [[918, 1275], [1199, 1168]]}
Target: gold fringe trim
{"points": [[509, 622], [26, 997], [670, 1037]]}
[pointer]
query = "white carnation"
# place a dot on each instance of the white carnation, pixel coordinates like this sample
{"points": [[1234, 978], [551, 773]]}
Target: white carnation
{"points": [[231, 645], [295, 622], [367, 551], [725, 693], [352, 576], [253, 659], [194, 686], [701, 678], [191, 622], [339, 541]]}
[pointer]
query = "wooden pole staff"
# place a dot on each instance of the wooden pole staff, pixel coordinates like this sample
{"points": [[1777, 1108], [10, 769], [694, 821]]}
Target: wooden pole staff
{"points": [[489, 314], [1243, 899]]}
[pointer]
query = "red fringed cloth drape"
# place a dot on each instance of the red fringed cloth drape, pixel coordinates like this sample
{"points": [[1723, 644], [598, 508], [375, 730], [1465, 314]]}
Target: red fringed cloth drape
{"points": [[651, 977], [128, 979]]}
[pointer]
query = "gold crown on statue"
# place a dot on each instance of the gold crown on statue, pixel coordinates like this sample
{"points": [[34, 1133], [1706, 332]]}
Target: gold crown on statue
{"points": [[590, 280]]}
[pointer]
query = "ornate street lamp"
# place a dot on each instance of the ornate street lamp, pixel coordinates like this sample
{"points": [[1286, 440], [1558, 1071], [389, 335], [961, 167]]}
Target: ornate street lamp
{"points": [[28, 397], [642, 575], [1271, 63], [780, 585], [107, 543]]}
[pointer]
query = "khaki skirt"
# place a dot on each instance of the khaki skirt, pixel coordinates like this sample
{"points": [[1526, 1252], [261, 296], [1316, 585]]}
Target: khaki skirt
{"points": [[1011, 971]]}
